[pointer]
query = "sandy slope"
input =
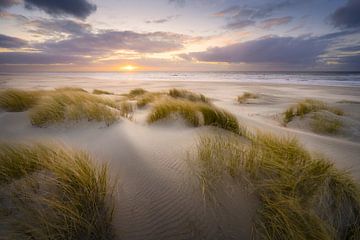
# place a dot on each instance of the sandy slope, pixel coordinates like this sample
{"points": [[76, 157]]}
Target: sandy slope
{"points": [[158, 197]]}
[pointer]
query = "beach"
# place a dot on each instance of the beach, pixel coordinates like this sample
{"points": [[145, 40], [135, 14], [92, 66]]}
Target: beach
{"points": [[157, 195]]}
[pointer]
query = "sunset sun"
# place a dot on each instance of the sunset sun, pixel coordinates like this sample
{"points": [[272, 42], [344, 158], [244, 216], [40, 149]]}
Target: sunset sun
{"points": [[129, 68]]}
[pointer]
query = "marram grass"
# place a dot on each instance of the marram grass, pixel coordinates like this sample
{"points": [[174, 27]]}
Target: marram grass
{"points": [[126, 110], [148, 97], [195, 113], [100, 92], [59, 194], [307, 106], [187, 95], [72, 89], [136, 92], [301, 197], [246, 95], [60, 106], [14, 100], [321, 123]]}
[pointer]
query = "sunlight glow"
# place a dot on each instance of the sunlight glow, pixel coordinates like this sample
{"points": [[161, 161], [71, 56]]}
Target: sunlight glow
{"points": [[128, 68]]}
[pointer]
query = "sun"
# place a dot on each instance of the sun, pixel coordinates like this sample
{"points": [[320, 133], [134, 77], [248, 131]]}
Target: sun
{"points": [[128, 68]]}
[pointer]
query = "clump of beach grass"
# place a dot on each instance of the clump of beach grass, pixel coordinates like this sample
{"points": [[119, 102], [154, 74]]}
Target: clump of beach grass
{"points": [[148, 97], [60, 106], [101, 92], [301, 196], [15, 100], [195, 113], [126, 110], [59, 194], [136, 92], [325, 123], [308, 106], [188, 95], [72, 89], [246, 96]]}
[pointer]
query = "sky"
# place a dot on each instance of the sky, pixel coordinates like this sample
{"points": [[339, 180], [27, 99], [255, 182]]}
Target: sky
{"points": [[179, 35]]}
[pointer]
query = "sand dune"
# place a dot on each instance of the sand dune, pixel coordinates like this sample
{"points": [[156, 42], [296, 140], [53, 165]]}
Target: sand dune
{"points": [[157, 196]]}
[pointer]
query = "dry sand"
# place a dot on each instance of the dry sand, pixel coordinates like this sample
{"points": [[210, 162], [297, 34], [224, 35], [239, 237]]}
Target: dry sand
{"points": [[158, 197]]}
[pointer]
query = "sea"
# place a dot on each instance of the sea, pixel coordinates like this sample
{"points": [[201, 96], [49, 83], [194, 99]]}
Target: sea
{"points": [[78, 78]]}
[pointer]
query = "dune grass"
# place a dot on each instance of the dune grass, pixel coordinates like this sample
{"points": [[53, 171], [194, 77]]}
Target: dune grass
{"points": [[321, 123], [100, 92], [72, 89], [52, 192], [246, 95], [301, 196], [187, 95], [148, 97], [194, 113], [14, 100], [60, 106], [136, 92], [126, 110], [307, 106]]}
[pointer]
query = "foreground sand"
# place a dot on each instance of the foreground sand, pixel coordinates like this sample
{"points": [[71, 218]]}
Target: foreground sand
{"points": [[157, 196]]}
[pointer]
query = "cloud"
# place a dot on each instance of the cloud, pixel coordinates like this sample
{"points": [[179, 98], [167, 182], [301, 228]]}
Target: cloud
{"points": [[286, 50], [36, 58], [162, 20], [350, 49], [102, 43], [269, 23], [239, 24], [8, 3], [347, 16], [56, 27], [11, 42], [89, 47], [246, 15], [77, 8]]}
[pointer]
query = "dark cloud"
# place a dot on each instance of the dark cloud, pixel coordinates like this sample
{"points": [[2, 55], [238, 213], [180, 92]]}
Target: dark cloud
{"points": [[246, 15], [350, 49], [287, 50], [256, 12], [36, 58], [269, 23], [8, 3], [347, 16], [76, 8], [102, 43], [240, 24], [56, 27], [11, 42], [91, 47], [351, 61]]}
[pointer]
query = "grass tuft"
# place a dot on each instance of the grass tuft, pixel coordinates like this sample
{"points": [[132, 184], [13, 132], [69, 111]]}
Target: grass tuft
{"points": [[147, 98], [61, 106], [321, 123], [195, 114], [246, 95], [301, 197], [71, 89], [188, 95], [14, 100], [100, 92], [137, 91], [126, 110], [307, 106], [66, 197]]}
